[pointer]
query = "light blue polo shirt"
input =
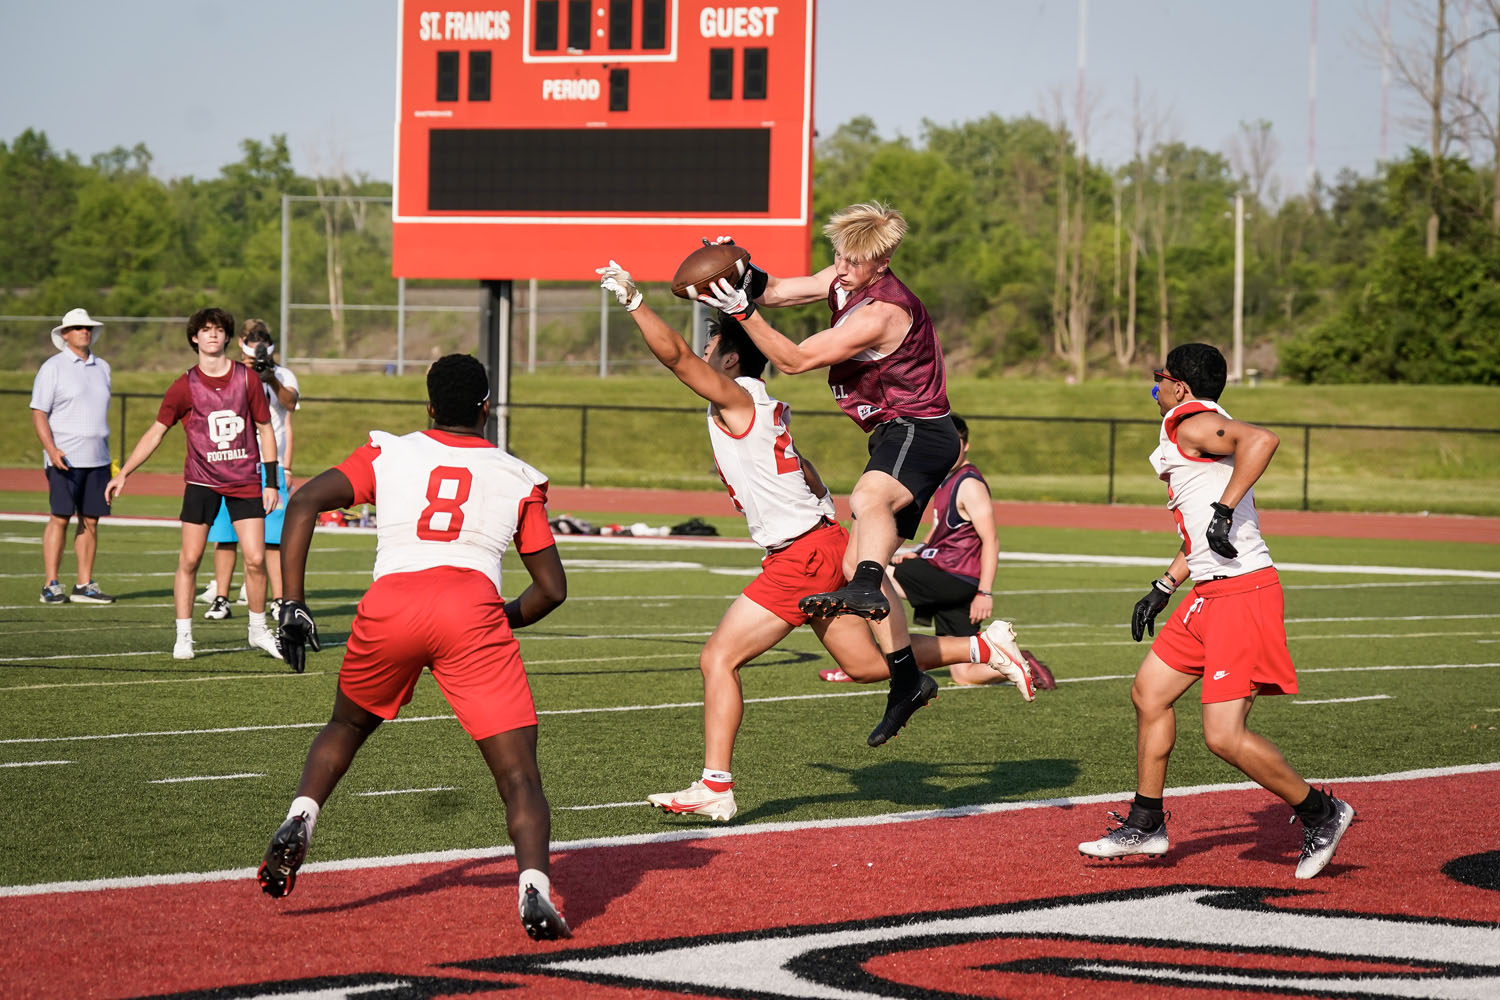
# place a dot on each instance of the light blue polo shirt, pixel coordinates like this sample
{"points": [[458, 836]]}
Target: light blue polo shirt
{"points": [[74, 393]]}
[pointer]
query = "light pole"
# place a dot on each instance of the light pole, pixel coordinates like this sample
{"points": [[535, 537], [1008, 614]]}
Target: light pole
{"points": [[1237, 370]]}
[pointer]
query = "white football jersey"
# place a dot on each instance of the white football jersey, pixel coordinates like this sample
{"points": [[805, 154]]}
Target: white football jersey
{"points": [[442, 505], [1193, 486], [763, 473]]}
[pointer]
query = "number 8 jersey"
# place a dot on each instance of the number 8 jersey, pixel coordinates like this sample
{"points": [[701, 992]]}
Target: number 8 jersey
{"points": [[447, 500]]}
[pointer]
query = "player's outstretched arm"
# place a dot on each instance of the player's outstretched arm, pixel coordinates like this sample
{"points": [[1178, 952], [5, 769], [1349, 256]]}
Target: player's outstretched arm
{"points": [[797, 291], [143, 448], [326, 491], [548, 589]]}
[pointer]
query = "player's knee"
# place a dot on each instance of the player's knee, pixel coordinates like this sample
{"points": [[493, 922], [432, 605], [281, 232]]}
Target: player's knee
{"points": [[714, 663], [1222, 743]]}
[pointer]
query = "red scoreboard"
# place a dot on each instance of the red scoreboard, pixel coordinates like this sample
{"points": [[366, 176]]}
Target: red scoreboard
{"points": [[539, 138]]}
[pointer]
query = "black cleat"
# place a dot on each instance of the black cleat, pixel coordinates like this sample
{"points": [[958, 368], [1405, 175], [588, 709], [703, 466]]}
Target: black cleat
{"points": [[541, 919], [901, 706], [870, 605], [278, 872]]}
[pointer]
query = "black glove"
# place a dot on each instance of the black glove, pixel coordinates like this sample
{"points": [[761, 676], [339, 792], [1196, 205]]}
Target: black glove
{"points": [[1143, 618], [1218, 531], [297, 631]]}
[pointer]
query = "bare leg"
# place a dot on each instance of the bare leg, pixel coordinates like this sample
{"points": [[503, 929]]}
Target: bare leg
{"points": [[334, 747], [891, 633], [511, 757], [746, 631], [1226, 734], [85, 544], [194, 538], [252, 535], [852, 645], [53, 536], [1156, 689], [225, 554], [273, 569]]}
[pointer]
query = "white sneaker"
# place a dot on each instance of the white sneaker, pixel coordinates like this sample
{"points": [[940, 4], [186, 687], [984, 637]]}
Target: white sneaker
{"points": [[1006, 658], [1319, 842], [244, 597], [263, 639], [1127, 840], [209, 593], [218, 610], [697, 798], [182, 649]]}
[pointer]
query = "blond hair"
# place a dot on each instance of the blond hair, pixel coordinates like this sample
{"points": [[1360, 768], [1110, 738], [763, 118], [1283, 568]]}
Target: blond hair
{"points": [[867, 231]]}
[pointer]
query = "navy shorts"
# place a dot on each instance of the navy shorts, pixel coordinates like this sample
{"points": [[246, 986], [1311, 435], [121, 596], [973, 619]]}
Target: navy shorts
{"points": [[78, 491], [918, 454], [200, 505]]}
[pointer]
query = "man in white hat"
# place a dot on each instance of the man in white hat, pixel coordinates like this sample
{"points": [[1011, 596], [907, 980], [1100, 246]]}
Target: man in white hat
{"points": [[70, 411]]}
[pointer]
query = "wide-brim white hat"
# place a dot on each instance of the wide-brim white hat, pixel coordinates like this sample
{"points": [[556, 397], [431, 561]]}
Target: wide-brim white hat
{"points": [[74, 317]]}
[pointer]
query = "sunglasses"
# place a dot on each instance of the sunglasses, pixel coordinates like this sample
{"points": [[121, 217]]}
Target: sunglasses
{"points": [[1158, 375], [75, 329]]}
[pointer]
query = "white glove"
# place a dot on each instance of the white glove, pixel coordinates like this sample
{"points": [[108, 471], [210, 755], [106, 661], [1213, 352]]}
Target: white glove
{"points": [[616, 279], [825, 504], [714, 242], [724, 296]]}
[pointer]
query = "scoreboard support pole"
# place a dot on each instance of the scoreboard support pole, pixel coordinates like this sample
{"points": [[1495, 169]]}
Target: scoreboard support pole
{"points": [[494, 347]]}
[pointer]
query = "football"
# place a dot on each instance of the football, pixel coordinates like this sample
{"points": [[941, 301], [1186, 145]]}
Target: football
{"points": [[706, 265]]}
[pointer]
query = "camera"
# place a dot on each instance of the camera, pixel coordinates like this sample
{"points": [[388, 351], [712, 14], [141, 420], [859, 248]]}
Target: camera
{"points": [[262, 362]]}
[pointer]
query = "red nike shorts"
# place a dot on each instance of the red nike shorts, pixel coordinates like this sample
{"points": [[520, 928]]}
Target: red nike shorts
{"points": [[452, 621], [812, 563], [1232, 633]]}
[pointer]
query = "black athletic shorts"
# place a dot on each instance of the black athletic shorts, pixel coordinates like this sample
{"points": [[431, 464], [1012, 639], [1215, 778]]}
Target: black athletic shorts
{"points": [[917, 453], [939, 595], [80, 491], [200, 505]]}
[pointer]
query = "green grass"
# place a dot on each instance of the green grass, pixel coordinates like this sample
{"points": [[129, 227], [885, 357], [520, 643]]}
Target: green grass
{"points": [[1040, 457], [629, 636]]}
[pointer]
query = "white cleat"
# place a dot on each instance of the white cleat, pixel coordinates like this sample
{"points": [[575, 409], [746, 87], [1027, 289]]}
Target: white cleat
{"points": [[263, 639], [182, 649], [209, 593], [1319, 842], [1127, 840], [540, 917], [1006, 658], [698, 799], [244, 597]]}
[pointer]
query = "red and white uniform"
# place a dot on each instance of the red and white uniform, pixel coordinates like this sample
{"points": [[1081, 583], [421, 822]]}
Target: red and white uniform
{"points": [[448, 507], [1193, 486], [763, 473], [1230, 629], [444, 500]]}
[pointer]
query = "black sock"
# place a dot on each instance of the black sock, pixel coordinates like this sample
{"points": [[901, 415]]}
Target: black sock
{"points": [[1316, 808], [1145, 813], [903, 666], [867, 575]]}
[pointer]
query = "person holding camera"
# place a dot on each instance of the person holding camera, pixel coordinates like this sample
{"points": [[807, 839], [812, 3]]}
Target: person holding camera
{"points": [[282, 393]]}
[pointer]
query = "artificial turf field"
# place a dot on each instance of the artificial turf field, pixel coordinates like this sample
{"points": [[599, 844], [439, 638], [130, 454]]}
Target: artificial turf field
{"points": [[167, 778]]}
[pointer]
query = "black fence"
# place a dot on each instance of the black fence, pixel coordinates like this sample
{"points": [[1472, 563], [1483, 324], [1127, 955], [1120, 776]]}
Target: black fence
{"points": [[1360, 466]]}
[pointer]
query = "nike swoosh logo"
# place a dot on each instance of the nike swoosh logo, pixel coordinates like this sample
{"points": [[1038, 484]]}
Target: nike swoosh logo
{"points": [[1219, 675]]}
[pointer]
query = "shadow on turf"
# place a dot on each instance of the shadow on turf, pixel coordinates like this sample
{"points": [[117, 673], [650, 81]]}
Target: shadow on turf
{"points": [[587, 881], [909, 784]]}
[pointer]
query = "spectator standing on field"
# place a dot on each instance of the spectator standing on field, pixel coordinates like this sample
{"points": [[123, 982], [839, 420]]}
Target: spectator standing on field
{"points": [[227, 423], [282, 393], [70, 413]]}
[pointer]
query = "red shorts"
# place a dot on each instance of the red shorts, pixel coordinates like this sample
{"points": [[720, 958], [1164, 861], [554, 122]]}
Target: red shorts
{"points": [[448, 619], [1232, 633], [812, 563]]}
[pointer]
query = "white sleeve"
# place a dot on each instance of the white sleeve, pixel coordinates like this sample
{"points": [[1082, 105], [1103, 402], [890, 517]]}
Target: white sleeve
{"points": [[44, 388]]}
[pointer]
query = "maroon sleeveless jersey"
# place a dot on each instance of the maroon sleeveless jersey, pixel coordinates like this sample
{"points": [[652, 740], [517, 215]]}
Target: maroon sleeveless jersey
{"points": [[222, 451], [955, 546], [908, 382]]}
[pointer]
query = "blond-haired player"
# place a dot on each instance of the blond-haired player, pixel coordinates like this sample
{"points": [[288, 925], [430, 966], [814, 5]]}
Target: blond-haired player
{"points": [[885, 368]]}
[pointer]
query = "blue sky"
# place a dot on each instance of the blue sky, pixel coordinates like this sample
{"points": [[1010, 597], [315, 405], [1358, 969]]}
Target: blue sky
{"points": [[191, 78]]}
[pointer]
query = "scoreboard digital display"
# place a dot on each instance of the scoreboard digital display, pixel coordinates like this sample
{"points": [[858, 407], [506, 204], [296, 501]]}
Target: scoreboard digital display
{"points": [[539, 138]]}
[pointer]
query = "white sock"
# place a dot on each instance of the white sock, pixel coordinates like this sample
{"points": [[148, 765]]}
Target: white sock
{"points": [[304, 806], [257, 622], [722, 777], [531, 878], [973, 649], [184, 628]]}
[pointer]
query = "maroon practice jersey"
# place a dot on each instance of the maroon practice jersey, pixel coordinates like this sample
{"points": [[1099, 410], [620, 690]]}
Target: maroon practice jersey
{"points": [[954, 546], [908, 382]]}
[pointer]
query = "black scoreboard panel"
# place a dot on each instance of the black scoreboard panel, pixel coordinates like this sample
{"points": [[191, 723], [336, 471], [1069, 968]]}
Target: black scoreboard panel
{"points": [[599, 170]]}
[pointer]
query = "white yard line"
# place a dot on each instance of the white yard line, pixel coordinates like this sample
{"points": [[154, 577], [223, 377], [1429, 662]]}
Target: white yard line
{"points": [[202, 777], [711, 833], [1340, 701], [35, 763], [410, 791]]}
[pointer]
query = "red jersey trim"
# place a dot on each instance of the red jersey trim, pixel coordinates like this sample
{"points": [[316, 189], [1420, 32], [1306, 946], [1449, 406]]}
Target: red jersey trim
{"points": [[1174, 421], [730, 434], [533, 533], [359, 469], [458, 440]]}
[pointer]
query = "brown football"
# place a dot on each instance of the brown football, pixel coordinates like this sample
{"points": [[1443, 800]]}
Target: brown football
{"points": [[706, 265]]}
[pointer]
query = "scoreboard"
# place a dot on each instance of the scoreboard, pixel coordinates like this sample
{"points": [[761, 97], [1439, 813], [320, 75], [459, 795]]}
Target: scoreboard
{"points": [[539, 138]]}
